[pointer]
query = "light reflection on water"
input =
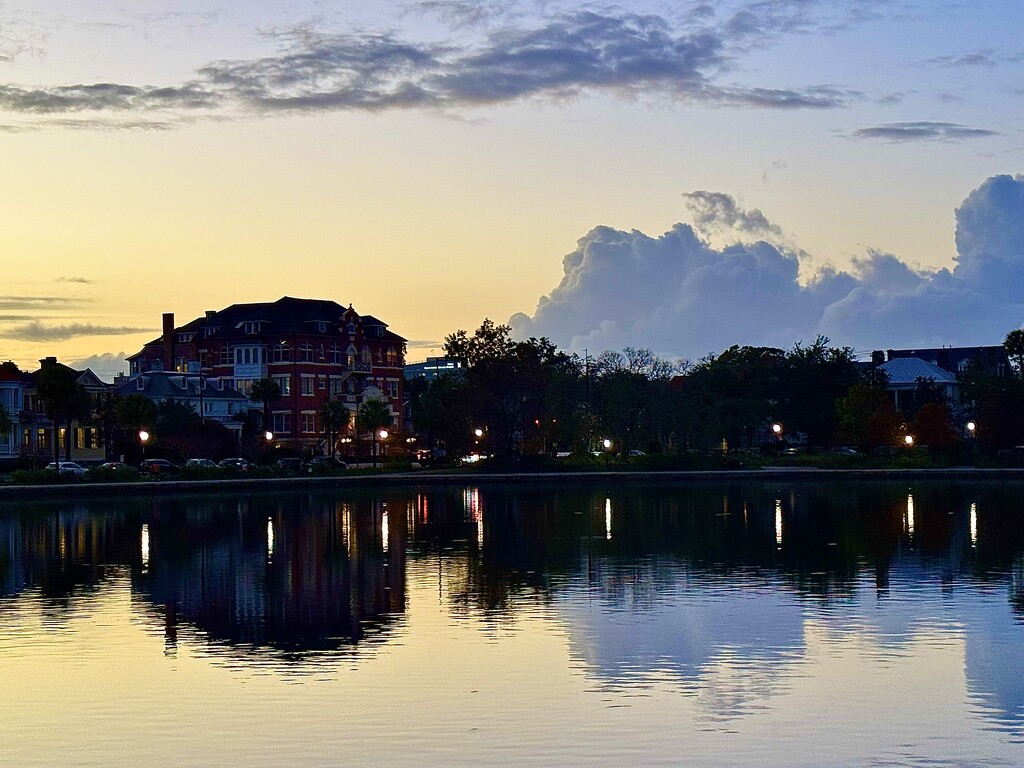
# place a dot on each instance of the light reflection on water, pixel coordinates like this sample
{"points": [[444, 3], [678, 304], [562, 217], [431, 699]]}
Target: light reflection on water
{"points": [[825, 625]]}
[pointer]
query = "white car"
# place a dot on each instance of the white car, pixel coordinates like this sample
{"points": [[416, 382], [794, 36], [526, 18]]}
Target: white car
{"points": [[68, 468]]}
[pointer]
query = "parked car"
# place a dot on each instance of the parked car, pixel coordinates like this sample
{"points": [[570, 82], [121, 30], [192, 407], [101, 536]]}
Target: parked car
{"points": [[67, 468], [845, 450], [201, 463], [289, 464], [325, 463], [158, 467], [114, 466], [234, 463]]}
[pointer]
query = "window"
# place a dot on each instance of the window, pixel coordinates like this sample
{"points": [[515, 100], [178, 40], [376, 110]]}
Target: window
{"points": [[285, 383], [307, 385], [86, 438], [251, 328], [282, 423], [185, 338], [322, 382], [309, 422], [244, 386], [180, 364], [392, 357], [280, 353], [391, 387], [225, 355], [305, 353], [336, 354], [367, 355], [336, 386], [43, 438]]}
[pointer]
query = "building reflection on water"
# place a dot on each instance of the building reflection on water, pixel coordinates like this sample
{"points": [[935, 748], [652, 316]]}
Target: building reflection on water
{"points": [[647, 580]]}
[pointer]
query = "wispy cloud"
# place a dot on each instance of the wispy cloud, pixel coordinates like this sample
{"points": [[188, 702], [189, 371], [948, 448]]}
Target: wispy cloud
{"points": [[37, 302], [566, 55], [922, 131], [79, 280], [986, 57], [36, 331]]}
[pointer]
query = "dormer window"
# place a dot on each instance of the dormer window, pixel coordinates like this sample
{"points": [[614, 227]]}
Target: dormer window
{"points": [[185, 338], [250, 327], [140, 384]]}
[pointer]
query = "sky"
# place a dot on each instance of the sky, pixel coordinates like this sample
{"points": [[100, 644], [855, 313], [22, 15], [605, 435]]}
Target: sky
{"points": [[679, 176]]}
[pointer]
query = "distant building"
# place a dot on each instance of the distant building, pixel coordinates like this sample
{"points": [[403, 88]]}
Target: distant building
{"points": [[81, 440], [991, 360], [433, 367], [316, 350], [13, 384], [210, 397], [904, 376]]}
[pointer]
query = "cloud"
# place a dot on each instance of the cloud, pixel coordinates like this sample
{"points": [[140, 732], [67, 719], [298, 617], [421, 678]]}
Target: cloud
{"points": [[106, 365], [680, 296], [79, 280], [36, 302], [35, 331], [922, 131], [714, 211], [565, 55], [986, 57]]}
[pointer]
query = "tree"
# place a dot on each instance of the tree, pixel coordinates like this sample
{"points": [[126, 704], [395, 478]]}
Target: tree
{"points": [[373, 415], [816, 376], [6, 423], [883, 426], [265, 391], [488, 342], [1014, 345], [63, 399], [333, 418], [854, 412], [933, 426]]}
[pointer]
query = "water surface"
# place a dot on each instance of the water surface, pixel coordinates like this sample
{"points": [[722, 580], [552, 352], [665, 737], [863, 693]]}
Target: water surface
{"points": [[790, 624]]}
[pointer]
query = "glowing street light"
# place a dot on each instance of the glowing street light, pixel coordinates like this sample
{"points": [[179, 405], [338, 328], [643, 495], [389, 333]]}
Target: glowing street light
{"points": [[971, 427], [143, 439], [269, 436], [478, 432], [908, 440], [777, 429], [383, 434], [607, 444]]}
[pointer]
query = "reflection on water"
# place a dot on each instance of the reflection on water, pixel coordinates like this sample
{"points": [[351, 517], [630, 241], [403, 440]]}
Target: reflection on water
{"points": [[728, 618]]}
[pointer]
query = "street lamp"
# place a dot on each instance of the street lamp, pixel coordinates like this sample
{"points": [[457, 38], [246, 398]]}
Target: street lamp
{"points": [[143, 439], [269, 436], [971, 428], [478, 432], [908, 440], [607, 443], [777, 429]]}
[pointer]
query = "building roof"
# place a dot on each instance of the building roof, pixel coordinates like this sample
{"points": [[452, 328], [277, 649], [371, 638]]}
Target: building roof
{"points": [[287, 315], [164, 385], [988, 358], [907, 370]]}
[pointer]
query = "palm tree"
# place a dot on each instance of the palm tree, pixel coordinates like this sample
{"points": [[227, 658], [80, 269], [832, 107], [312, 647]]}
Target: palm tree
{"points": [[1014, 345], [372, 415], [265, 391], [334, 418], [63, 399]]}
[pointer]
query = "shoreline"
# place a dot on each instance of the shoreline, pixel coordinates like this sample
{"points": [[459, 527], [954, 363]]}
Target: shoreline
{"points": [[411, 479]]}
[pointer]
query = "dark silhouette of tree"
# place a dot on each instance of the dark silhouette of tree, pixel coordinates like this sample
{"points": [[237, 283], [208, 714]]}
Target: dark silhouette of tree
{"points": [[63, 400], [6, 423], [884, 427], [1014, 345], [265, 391], [334, 418], [933, 426], [816, 376], [373, 415], [854, 412]]}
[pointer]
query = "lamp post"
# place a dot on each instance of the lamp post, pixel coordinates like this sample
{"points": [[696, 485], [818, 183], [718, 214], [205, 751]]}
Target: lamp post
{"points": [[908, 440], [143, 439], [383, 435]]}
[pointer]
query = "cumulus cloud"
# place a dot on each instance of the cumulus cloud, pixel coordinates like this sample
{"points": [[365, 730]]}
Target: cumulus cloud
{"points": [[563, 55], [680, 296], [922, 130], [715, 210], [34, 330], [106, 365]]}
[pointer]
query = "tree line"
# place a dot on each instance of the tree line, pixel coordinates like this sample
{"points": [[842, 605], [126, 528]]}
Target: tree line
{"points": [[528, 397]]}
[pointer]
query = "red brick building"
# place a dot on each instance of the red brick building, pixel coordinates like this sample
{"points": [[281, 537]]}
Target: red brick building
{"points": [[316, 350]]}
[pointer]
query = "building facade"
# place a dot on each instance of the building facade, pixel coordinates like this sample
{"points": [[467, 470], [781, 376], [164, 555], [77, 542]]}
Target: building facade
{"points": [[315, 350]]}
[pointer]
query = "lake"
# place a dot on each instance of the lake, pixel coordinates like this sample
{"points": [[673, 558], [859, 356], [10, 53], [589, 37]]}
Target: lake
{"points": [[783, 623]]}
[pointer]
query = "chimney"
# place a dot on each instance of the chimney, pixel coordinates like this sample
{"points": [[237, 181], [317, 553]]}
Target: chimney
{"points": [[168, 341], [210, 313]]}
